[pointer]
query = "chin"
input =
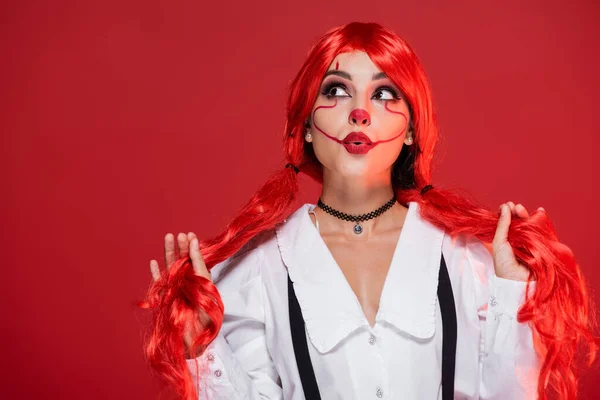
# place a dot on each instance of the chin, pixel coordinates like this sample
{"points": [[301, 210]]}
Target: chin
{"points": [[356, 168]]}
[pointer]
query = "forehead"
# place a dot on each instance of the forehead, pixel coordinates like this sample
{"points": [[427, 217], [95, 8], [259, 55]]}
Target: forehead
{"points": [[354, 62]]}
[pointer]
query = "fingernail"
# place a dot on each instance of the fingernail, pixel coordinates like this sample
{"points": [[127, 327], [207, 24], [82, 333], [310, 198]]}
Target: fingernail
{"points": [[194, 243]]}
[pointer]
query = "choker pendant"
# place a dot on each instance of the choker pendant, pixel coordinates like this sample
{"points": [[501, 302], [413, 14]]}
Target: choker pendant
{"points": [[358, 228]]}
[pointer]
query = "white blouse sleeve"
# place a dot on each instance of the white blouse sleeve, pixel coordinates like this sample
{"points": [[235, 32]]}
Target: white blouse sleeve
{"points": [[237, 363], [508, 366]]}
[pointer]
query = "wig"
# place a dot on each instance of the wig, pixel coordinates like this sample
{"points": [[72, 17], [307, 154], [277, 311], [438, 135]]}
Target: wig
{"points": [[559, 310]]}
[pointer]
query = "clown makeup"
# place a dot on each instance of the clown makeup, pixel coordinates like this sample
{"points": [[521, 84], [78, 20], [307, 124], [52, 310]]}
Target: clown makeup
{"points": [[360, 118]]}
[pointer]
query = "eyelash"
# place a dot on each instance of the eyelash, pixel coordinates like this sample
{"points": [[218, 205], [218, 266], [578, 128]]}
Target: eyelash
{"points": [[332, 84]]}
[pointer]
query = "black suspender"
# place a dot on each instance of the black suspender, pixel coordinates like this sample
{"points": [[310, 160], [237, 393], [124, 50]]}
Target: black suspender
{"points": [[307, 373], [448, 311], [449, 328]]}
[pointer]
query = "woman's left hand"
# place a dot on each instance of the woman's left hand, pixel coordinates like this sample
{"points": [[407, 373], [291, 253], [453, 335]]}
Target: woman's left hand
{"points": [[505, 263]]}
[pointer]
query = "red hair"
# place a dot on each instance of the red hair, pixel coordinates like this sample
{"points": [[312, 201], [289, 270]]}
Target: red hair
{"points": [[559, 311]]}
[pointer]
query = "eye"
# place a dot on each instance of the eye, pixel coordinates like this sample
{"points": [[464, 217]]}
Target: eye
{"points": [[335, 89], [386, 93]]}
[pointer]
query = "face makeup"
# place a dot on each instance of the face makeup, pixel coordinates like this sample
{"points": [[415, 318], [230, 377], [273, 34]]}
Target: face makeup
{"points": [[358, 107], [357, 142]]}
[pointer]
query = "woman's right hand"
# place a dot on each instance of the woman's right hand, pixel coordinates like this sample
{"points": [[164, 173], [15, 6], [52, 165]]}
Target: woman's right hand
{"points": [[187, 246]]}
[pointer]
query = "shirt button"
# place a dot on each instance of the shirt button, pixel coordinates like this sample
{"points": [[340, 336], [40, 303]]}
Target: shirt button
{"points": [[210, 357], [372, 340], [379, 393], [218, 373], [493, 301]]}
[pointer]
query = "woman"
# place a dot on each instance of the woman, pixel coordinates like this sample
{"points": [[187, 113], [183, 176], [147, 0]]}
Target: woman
{"points": [[389, 287]]}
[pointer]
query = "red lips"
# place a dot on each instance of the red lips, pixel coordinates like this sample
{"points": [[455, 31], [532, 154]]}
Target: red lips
{"points": [[357, 138], [357, 143]]}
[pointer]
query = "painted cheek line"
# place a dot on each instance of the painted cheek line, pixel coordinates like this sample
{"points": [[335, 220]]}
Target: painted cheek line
{"points": [[319, 129], [397, 136], [388, 140], [392, 111]]}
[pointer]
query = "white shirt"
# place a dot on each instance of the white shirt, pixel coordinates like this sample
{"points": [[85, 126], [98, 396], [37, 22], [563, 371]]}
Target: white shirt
{"points": [[400, 356]]}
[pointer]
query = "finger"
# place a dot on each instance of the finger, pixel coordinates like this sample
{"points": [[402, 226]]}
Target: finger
{"points": [[169, 250], [521, 211], [512, 207], [501, 235], [190, 236], [154, 270], [197, 260], [542, 209], [182, 242]]}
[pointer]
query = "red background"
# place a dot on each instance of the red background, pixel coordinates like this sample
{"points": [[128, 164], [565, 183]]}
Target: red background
{"points": [[122, 121]]}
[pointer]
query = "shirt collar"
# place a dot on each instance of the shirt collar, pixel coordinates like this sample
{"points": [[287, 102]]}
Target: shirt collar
{"points": [[330, 308]]}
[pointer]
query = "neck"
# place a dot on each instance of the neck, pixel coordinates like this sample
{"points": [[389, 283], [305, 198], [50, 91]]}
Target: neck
{"points": [[357, 195]]}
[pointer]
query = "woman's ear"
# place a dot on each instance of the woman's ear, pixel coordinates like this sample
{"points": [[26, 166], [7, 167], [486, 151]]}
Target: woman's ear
{"points": [[408, 139], [307, 124], [307, 135]]}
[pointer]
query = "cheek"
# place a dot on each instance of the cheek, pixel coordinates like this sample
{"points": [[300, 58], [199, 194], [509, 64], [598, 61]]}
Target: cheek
{"points": [[328, 119], [330, 114], [327, 152], [393, 118]]}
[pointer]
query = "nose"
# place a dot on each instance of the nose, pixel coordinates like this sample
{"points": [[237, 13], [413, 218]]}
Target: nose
{"points": [[360, 117]]}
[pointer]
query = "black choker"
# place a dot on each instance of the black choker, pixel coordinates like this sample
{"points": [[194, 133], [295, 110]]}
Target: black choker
{"points": [[357, 218]]}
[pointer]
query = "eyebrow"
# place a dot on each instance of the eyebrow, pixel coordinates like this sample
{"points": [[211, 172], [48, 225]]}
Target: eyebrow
{"points": [[344, 74]]}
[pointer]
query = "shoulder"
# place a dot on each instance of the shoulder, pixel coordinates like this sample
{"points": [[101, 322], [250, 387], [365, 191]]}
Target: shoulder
{"points": [[262, 252], [245, 266], [461, 250], [466, 252]]}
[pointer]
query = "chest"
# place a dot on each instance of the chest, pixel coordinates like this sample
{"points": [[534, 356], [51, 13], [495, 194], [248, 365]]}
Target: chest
{"points": [[365, 265]]}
